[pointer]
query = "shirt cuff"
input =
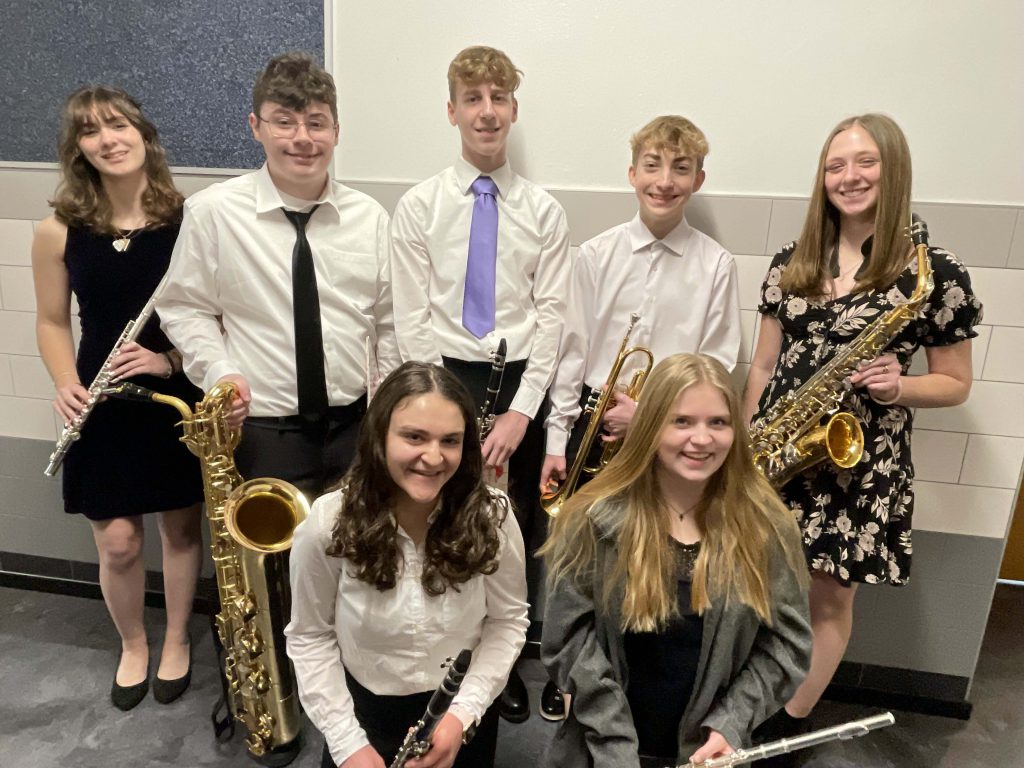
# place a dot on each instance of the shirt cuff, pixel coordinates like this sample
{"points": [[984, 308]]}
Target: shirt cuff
{"points": [[557, 442], [218, 371], [464, 715], [527, 402]]}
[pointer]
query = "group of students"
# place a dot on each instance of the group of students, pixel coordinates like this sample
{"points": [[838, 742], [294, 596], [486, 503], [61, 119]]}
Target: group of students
{"points": [[679, 615]]}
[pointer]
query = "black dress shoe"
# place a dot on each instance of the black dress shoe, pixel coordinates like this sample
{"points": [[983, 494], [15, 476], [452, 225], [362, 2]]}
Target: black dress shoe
{"points": [[514, 701], [552, 703], [166, 691], [127, 697]]}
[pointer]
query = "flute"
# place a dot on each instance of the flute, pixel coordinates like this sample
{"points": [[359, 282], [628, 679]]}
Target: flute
{"points": [[417, 740], [73, 430], [845, 731]]}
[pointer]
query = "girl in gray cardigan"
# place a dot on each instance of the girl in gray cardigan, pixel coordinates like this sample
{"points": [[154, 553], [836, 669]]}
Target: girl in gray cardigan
{"points": [[676, 614]]}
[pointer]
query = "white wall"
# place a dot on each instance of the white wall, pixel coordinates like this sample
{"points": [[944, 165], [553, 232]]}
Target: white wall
{"points": [[765, 79]]}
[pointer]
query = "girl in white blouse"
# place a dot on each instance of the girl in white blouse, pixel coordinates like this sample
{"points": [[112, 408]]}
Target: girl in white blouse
{"points": [[409, 560]]}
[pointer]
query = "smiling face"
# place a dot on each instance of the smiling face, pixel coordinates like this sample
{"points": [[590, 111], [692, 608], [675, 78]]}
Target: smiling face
{"points": [[697, 436], [423, 448], [664, 181], [112, 145], [853, 172], [484, 113], [298, 164]]}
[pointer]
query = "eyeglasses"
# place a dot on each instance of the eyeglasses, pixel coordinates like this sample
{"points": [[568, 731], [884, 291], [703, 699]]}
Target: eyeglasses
{"points": [[285, 127]]}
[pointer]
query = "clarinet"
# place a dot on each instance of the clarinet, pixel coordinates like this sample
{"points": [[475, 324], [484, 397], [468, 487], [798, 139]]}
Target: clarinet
{"points": [[417, 740], [73, 430], [486, 418], [771, 749]]}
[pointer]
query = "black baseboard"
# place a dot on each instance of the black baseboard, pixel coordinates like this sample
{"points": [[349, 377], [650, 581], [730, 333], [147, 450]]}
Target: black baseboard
{"points": [[74, 588]]}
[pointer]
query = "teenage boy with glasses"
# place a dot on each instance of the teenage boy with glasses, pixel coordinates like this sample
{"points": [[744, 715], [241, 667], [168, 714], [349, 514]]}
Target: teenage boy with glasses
{"points": [[280, 283]]}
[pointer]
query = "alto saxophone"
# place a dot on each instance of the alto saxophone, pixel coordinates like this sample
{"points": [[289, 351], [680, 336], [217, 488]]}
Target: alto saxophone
{"points": [[251, 527], [791, 437], [599, 403]]}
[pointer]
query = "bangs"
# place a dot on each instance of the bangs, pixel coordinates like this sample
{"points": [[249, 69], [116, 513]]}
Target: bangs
{"points": [[95, 110]]}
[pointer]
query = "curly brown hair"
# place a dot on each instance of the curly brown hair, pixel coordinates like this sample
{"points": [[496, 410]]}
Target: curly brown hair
{"points": [[294, 80], [462, 540], [80, 199]]}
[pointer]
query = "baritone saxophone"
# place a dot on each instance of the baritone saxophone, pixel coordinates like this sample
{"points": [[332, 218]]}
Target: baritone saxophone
{"points": [[251, 527]]}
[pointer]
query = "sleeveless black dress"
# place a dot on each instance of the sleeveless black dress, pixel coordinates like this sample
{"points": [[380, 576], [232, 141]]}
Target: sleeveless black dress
{"points": [[128, 459]]}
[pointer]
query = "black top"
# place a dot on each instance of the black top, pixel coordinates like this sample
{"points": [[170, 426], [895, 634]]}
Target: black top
{"points": [[663, 668], [129, 459]]}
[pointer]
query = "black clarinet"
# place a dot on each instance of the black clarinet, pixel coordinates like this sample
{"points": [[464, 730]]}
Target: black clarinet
{"points": [[486, 418], [417, 740]]}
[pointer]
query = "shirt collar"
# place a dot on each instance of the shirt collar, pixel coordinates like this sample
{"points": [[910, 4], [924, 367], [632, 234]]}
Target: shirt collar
{"points": [[640, 237], [865, 251], [268, 197], [466, 173]]}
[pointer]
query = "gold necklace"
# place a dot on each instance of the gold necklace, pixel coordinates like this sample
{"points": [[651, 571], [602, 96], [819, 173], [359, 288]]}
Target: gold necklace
{"points": [[121, 243]]}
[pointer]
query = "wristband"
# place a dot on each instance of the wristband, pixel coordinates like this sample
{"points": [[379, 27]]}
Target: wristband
{"points": [[170, 365]]}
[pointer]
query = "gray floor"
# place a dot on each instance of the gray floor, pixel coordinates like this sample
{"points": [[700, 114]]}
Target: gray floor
{"points": [[57, 656]]}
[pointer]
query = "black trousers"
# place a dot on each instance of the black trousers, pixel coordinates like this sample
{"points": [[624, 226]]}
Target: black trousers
{"points": [[386, 720], [524, 466], [312, 455]]}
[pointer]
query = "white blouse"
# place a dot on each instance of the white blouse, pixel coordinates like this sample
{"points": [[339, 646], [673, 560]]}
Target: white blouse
{"points": [[394, 642]]}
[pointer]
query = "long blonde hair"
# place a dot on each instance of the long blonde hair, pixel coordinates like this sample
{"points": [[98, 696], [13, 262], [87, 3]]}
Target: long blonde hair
{"points": [[80, 199], [808, 268], [740, 516]]}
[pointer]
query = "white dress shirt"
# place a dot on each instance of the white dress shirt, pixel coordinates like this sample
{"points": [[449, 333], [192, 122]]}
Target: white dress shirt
{"points": [[227, 304], [393, 642], [685, 289], [430, 243]]}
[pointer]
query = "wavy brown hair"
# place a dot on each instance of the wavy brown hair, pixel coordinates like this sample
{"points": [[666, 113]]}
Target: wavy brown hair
{"points": [[294, 80], [462, 540], [80, 199], [809, 268], [741, 519]]}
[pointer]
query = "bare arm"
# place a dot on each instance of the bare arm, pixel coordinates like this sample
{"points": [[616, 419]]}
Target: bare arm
{"points": [[948, 381], [53, 317], [766, 354]]}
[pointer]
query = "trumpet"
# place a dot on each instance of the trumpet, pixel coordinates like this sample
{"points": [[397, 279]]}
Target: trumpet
{"points": [[596, 407]]}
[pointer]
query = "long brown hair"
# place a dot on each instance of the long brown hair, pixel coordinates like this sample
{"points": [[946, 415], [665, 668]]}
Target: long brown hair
{"points": [[808, 268], [462, 541], [80, 199], [740, 516]]}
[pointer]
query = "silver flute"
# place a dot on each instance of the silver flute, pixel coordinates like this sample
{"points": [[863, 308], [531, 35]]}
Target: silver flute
{"points": [[845, 731], [73, 430]]}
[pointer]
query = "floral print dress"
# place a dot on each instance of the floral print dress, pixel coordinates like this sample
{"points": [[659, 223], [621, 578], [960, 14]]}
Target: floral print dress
{"points": [[856, 522]]}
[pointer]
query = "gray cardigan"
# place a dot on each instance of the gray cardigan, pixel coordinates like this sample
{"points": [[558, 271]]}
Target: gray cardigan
{"points": [[745, 673]]}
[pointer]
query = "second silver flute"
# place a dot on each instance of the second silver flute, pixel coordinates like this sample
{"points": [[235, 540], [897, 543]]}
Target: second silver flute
{"points": [[73, 430], [845, 731]]}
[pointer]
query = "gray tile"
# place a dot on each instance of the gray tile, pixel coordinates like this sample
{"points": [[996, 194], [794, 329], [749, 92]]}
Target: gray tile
{"points": [[740, 224], [23, 457], [33, 565], [788, 216], [37, 498], [1017, 246], [386, 193], [970, 559], [979, 234], [24, 192], [591, 213]]}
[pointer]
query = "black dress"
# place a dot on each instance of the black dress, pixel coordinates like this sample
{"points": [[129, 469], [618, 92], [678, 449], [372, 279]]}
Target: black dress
{"points": [[857, 522], [128, 459]]}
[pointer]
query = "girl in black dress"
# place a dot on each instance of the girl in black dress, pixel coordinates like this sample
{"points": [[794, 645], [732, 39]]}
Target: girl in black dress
{"points": [[852, 264], [109, 242]]}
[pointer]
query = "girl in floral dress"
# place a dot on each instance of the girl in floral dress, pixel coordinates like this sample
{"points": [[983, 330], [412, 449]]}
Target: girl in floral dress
{"points": [[852, 264]]}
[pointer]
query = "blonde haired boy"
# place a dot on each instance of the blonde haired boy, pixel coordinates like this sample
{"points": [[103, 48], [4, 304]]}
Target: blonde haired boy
{"points": [[480, 254], [682, 283]]}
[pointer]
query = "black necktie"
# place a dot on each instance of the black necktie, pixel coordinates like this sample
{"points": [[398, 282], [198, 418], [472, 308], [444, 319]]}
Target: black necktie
{"points": [[309, 340]]}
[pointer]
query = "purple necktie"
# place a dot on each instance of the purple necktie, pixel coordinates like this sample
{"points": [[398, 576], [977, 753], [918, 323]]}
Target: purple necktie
{"points": [[478, 301]]}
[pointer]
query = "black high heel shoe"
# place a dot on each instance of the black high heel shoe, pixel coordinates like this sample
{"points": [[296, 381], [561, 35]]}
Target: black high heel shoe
{"points": [[126, 697], [166, 691]]}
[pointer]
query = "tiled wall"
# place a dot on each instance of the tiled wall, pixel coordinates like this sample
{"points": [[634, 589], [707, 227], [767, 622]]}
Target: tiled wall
{"points": [[968, 458]]}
